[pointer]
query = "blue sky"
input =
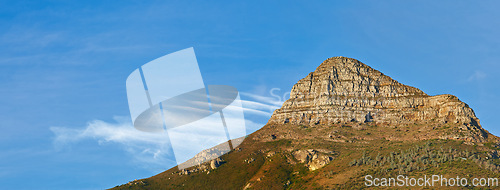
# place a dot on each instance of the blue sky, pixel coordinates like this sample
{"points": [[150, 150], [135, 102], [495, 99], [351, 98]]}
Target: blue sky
{"points": [[63, 66]]}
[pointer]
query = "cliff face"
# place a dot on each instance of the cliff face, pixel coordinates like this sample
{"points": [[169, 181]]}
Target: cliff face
{"points": [[345, 90]]}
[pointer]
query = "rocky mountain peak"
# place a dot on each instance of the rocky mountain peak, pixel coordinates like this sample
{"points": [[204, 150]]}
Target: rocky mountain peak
{"points": [[343, 90], [342, 76], [345, 121]]}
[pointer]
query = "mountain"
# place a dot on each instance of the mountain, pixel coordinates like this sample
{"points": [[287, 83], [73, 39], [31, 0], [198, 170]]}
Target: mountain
{"points": [[343, 122], [344, 90]]}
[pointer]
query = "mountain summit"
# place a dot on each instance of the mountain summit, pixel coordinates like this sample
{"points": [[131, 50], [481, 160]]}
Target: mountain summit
{"points": [[345, 90], [345, 121]]}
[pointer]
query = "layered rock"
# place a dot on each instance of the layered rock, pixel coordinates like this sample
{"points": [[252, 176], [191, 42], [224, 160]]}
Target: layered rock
{"points": [[345, 90]]}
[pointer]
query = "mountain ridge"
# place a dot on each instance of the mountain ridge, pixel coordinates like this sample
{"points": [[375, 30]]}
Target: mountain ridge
{"points": [[342, 122]]}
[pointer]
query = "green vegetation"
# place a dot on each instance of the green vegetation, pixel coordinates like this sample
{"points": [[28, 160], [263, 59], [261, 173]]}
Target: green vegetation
{"points": [[419, 158]]}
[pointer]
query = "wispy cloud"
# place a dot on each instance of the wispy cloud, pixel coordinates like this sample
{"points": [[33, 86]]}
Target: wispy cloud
{"points": [[271, 102], [477, 76], [120, 131], [149, 150], [258, 108], [263, 99]]}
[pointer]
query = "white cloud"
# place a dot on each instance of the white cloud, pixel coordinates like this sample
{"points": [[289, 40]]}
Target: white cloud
{"points": [[258, 106], [265, 111], [150, 150], [121, 131], [263, 99], [477, 76]]}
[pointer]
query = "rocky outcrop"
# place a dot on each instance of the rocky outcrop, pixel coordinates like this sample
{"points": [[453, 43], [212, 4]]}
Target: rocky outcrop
{"points": [[215, 163], [312, 159], [345, 90]]}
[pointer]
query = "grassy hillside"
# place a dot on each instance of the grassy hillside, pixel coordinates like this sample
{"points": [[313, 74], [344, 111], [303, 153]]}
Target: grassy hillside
{"points": [[267, 159]]}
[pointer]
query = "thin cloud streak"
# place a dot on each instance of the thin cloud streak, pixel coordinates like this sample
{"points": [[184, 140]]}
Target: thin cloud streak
{"points": [[258, 105], [150, 150], [147, 149], [263, 99], [477, 76]]}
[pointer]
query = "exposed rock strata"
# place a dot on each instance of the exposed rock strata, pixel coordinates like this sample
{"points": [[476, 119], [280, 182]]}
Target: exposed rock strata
{"points": [[345, 90]]}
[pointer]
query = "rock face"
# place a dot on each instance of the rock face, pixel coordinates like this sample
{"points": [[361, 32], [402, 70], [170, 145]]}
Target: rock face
{"points": [[345, 90]]}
